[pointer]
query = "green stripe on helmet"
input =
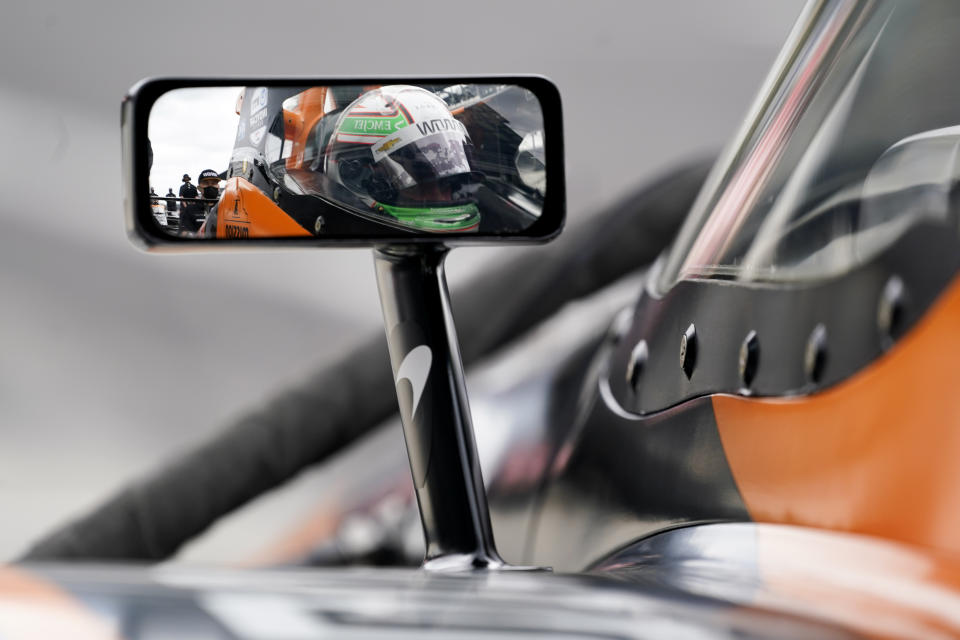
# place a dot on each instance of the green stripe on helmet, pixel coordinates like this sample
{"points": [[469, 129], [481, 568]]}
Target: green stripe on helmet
{"points": [[452, 218], [372, 126]]}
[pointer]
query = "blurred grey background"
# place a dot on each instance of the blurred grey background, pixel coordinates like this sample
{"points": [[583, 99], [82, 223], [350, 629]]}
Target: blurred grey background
{"points": [[112, 360]]}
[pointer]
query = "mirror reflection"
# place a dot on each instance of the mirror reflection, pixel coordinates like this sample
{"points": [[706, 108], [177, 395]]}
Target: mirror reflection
{"points": [[347, 160]]}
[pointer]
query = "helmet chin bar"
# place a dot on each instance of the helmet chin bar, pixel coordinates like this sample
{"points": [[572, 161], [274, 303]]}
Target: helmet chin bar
{"points": [[434, 410]]}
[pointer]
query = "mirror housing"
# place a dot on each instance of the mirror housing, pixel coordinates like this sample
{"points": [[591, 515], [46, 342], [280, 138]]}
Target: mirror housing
{"points": [[502, 196]]}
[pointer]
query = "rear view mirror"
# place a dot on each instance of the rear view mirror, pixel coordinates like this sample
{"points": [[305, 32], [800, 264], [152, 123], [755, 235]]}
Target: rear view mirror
{"points": [[363, 162], [409, 167]]}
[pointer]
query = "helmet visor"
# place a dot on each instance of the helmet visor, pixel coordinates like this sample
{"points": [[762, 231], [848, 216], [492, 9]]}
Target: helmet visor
{"points": [[434, 169]]}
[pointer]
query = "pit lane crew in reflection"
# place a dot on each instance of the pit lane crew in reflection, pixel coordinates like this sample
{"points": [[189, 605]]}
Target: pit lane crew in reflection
{"points": [[159, 211], [191, 211], [171, 204], [209, 181], [173, 220]]}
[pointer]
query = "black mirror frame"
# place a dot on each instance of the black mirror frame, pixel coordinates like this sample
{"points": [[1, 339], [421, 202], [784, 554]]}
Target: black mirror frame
{"points": [[145, 232]]}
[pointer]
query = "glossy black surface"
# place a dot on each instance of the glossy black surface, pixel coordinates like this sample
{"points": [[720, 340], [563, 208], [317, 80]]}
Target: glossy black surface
{"points": [[579, 477], [618, 474], [618, 478], [434, 408], [871, 586], [388, 603], [858, 317]]}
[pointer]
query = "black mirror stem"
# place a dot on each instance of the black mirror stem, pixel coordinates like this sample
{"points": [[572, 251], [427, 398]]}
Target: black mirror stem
{"points": [[434, 409]]}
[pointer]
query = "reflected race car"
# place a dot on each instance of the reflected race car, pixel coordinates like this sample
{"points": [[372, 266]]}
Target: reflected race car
{"points": [[285, 179], [753, 436]]}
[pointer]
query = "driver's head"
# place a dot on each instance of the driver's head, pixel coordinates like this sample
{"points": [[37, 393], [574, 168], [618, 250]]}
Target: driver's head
{"points": [[402, 153]]}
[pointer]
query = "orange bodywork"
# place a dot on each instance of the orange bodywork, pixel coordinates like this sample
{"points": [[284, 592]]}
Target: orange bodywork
{"points": [[245, 212], [300, 121], [32, 608], [877, 454], [875, 587]]}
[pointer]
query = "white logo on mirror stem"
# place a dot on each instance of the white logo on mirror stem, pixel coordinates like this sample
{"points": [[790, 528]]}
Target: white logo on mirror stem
{"points": [[415, 368]]}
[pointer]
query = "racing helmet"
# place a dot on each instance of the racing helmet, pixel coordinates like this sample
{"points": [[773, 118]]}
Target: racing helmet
{"points": [[400, 151]]}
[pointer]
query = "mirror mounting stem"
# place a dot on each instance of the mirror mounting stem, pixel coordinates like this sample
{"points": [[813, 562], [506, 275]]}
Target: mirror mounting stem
{"points": [[437, 428]]}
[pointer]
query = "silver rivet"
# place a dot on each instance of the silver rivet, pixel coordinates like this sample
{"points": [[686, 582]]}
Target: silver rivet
{"points": [[688, 351], [890, 311], [638, 360], [749, 358], [815, 356]]}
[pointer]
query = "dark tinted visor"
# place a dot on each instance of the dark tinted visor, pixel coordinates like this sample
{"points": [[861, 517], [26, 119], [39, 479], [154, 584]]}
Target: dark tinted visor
{"points": [[436, 167]]}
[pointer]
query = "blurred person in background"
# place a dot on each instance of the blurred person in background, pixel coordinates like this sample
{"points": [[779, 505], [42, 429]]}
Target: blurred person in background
{"points": [[187, 190], [191, 211], [209, 182], [171, 204], [173, 218], [159, 212]]}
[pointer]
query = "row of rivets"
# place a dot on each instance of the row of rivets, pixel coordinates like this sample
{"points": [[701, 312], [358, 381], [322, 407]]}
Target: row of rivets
{"points": [[889, 323]]}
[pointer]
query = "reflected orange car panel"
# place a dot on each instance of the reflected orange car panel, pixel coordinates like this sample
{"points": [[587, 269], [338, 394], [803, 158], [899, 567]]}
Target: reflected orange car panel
{"points": [[245, 212], [299, 122], [880, 589]]}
